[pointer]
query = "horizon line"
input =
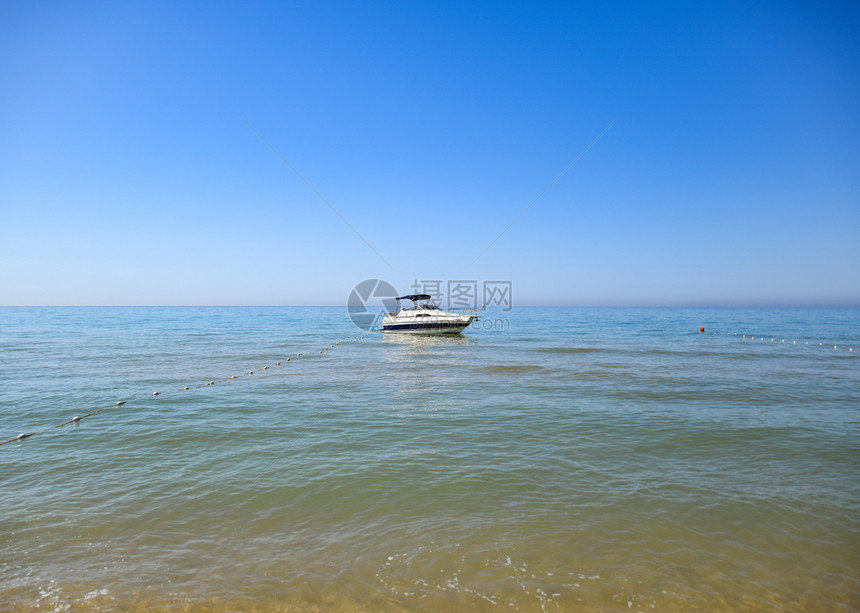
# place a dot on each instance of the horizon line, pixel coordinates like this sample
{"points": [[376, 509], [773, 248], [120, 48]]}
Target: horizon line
{"points": [[492, 307]]}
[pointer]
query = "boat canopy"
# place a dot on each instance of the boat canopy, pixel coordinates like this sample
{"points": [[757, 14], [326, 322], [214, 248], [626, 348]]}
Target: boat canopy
{"points": [[414, 297]]}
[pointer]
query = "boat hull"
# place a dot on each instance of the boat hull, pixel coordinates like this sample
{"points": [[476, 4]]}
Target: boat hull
{"points": [[441, 327]]}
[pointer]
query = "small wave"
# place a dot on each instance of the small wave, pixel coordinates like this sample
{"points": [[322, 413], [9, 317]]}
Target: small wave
{"points": [[512, 368], [568, 349]]}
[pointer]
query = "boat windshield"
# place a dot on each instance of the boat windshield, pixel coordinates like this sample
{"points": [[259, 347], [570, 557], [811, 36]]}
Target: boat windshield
{"points": [[421, 306]]}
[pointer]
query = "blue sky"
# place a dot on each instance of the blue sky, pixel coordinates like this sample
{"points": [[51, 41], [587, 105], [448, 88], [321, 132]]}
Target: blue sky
{"points": [[131, 172]]}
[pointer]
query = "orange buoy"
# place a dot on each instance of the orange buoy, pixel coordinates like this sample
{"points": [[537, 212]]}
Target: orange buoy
{"points": [[701, 329]]}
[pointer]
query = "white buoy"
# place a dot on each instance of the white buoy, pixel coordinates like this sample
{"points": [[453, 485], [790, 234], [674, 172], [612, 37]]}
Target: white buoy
{"points": [[185, 388], [118, 403], [155, 393], [211, 383], [265, 368], [250, 372], [76, 418], [277, 363]]}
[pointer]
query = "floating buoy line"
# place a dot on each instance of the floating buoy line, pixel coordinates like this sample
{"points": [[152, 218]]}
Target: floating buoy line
{"points": [[774, 339], [119, 403]]}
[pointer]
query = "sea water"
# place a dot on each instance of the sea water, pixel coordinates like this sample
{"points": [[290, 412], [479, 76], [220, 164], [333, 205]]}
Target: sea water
{"points": [[549, 459]]}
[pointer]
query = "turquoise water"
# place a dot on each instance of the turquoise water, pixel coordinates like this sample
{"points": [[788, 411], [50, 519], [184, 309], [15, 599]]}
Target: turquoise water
{"points": [[552, 460]]}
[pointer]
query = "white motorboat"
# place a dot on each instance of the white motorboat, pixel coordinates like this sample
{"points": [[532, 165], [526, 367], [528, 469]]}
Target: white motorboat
{"points": [[424, 317]]}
